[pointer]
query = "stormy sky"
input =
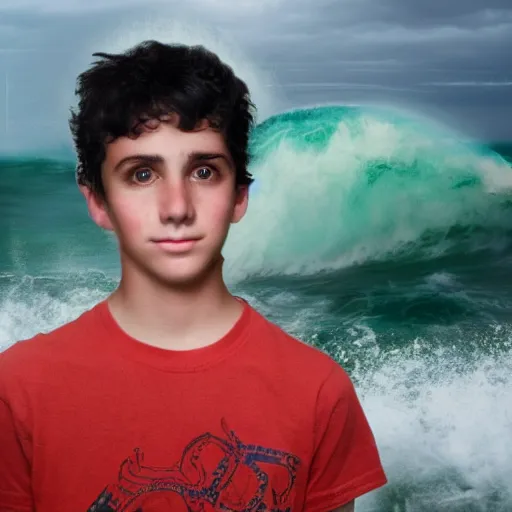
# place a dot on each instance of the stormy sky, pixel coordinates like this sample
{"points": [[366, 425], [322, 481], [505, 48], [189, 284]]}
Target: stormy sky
{"points": [[450, 60]]}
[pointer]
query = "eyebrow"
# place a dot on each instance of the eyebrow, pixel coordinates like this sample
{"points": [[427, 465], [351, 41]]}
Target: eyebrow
{"points": [[195, 156]]}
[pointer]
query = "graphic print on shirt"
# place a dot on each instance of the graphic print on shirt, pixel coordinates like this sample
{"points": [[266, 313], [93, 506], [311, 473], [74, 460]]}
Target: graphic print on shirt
{"points": [[213, 474]]}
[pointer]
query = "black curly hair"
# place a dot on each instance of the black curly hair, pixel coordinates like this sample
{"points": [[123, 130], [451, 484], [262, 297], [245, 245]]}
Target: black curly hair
{"points": [[151, 81]]}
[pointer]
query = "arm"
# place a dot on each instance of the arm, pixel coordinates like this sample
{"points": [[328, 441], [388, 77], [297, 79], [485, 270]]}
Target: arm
{"points": [[346, 463], [15, 488]]}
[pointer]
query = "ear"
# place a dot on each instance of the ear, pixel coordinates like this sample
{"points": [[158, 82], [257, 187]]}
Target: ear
{"points": [[241, 203], [97, 208]]}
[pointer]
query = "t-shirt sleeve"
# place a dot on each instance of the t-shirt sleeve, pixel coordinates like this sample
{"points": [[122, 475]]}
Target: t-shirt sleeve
{"points": [[346, 463], [15, 488]]}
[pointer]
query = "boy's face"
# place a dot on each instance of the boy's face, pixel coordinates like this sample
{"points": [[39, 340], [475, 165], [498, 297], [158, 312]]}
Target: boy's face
{"points": [[171, 198]]}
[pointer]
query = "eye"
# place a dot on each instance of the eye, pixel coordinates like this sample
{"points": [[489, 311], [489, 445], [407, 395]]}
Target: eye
{"points": [[204, 173], [142, 175]]}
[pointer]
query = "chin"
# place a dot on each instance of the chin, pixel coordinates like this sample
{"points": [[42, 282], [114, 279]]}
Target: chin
{"points": [[185, 273]]}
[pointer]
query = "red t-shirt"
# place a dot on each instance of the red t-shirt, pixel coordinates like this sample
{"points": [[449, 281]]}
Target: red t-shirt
{"points": [[94, 420]]}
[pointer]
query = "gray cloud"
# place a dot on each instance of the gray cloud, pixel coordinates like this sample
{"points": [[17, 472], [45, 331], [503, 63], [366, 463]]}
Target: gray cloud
{"points": [[402, 52], [450, 60]]}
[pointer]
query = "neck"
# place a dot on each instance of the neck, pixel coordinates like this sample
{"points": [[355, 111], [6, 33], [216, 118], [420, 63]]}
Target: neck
{"points": [[171, 317]]}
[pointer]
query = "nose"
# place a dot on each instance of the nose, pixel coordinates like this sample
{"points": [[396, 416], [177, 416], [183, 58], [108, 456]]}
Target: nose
{"points": [[175, 202]]}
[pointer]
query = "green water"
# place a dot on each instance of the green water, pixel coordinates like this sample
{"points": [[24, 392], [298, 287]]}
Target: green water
{"points": [[382, 239]]}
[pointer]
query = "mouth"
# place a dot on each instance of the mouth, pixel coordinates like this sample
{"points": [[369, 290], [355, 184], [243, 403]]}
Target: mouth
{"points": [[175, 240], [176, 244]]}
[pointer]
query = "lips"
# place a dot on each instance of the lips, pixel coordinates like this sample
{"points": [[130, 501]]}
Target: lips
{"points": [[176, 240], [176, 245]]}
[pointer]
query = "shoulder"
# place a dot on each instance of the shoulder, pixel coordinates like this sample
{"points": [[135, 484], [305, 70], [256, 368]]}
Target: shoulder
{"points": [[300, 361], [28, 360]]}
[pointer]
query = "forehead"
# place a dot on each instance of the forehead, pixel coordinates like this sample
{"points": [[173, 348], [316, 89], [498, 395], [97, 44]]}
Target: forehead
{"points": [[167, 141]]}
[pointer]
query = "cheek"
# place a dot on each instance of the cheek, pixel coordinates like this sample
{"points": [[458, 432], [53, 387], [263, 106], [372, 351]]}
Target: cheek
{"points": [[220, 211], [127, 218]]}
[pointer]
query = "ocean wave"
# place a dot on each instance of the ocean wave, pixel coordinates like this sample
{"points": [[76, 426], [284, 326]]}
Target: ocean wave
{"points": [[340, 186]]}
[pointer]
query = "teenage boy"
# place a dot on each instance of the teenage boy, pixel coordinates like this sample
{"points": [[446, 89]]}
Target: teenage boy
{"points": [[173, 394]]}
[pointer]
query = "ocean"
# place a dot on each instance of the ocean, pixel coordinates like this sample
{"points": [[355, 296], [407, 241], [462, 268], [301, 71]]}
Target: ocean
{"points": [[381, 237]]}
